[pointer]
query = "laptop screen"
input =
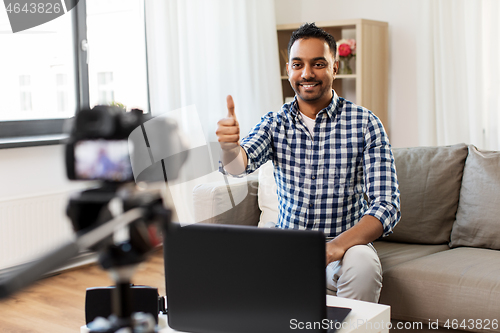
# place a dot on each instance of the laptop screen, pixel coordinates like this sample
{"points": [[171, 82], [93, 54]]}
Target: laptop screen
{"points": [[243, 279]]}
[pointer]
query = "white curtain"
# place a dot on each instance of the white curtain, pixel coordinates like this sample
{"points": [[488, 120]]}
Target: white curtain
{"points": [[458, 73], [199, 51]]}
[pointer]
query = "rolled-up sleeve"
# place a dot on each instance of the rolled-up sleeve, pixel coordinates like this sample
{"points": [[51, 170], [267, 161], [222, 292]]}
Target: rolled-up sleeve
{"points": [[380, 179], [257, 144]]}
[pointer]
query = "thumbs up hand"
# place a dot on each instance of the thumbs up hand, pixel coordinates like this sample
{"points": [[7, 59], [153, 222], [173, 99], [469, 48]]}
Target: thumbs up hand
{"points": [[228, 129]]}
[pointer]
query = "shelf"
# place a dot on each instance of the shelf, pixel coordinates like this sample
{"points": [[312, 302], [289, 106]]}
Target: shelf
{"points": [[345, 76]]}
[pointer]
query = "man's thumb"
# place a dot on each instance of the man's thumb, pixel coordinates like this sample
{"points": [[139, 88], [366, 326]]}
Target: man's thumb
{"points": [[230, 107]]}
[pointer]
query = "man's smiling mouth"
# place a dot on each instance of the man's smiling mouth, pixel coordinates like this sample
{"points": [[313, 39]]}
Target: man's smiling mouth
{"points": [[309, 85]]}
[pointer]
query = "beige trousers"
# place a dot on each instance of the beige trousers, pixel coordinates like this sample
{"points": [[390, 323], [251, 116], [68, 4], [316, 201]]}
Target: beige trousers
{"points": [[358, 275]]}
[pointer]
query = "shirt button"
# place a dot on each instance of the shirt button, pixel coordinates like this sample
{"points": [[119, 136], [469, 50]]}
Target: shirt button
{"points": [[310, 205], [313, 177]]}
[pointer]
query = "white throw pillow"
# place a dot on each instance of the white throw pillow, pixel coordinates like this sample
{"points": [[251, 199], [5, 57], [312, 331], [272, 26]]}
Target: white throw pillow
{"points": [[267, 196]]}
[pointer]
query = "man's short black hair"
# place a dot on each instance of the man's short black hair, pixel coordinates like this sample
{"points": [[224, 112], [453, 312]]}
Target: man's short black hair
{"points": [[310, 30]]}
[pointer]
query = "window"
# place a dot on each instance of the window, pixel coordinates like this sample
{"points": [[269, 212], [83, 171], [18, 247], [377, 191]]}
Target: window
{"points": [[105, 90], [25, 92], [30, 58], [62, 91], [117, 53], [94, 54]]}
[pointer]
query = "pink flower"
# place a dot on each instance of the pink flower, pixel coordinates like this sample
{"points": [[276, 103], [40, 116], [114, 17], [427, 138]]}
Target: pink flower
{"points": [[344, 50], [352, 44]]}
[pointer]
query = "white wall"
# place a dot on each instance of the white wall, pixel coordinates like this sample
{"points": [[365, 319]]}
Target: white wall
{"points": [[33, 171], [402, 16], [34, 193]]}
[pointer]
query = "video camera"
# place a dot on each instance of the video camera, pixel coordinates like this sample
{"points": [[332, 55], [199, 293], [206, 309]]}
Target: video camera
{"points": [[98, 147]]}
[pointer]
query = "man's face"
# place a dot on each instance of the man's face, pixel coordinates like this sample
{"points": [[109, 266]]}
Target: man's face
{"points": [[311, 70]]}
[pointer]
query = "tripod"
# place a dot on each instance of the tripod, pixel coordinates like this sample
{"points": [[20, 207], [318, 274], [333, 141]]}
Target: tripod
{"points": [[121, 224]]}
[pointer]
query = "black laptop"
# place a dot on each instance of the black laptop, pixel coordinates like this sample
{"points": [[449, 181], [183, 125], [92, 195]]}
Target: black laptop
{"points": [[239, 279]]}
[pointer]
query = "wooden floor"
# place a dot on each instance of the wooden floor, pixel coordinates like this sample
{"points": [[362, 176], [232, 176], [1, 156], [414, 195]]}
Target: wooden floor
{"points": [[57, 304]]}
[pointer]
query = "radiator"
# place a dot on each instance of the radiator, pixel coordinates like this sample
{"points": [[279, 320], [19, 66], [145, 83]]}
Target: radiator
{"points": [[30, 226]]}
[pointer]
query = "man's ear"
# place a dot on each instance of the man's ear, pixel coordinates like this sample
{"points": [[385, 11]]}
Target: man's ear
{"points": [[336, 67]]}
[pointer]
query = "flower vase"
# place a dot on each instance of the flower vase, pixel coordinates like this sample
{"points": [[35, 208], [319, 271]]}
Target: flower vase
{"points": [[344, 67]]}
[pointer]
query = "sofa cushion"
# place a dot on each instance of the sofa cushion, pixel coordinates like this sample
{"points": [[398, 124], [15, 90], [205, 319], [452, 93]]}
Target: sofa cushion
{"points": [[213, 204], [392, 253], [460, 284], [478, 214], [267, 196], [429, 181]]}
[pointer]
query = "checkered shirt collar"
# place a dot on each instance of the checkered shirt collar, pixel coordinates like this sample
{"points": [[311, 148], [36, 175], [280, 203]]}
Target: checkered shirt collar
{"points": [[331, 109]]}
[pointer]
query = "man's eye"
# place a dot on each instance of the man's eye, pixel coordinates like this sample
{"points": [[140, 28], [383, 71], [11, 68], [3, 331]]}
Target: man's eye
{"points": [[319, 64], [295, 65]]}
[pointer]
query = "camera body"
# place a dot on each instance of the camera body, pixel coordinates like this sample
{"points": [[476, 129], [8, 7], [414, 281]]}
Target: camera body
{"points": [[98, 146]]}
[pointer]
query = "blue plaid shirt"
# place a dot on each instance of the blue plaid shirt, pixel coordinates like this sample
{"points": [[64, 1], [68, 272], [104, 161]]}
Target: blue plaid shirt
{"points": [[321, 177]]}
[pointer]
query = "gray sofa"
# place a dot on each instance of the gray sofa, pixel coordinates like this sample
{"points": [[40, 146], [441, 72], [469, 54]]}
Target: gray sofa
{"points": [[442, 263]]}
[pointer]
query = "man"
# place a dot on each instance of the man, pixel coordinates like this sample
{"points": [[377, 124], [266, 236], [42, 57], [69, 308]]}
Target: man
{"points": [[327, 152]]}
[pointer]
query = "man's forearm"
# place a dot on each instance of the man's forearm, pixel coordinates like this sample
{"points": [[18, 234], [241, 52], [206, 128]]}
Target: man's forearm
{"points": [[235, 160], [367, 230]]}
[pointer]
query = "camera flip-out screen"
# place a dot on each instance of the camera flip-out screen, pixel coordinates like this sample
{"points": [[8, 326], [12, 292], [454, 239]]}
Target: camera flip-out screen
{"points": [[103, 160]]}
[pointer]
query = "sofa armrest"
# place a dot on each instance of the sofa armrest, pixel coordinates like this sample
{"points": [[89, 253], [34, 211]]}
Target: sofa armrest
{"points": [[213, 204]]}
